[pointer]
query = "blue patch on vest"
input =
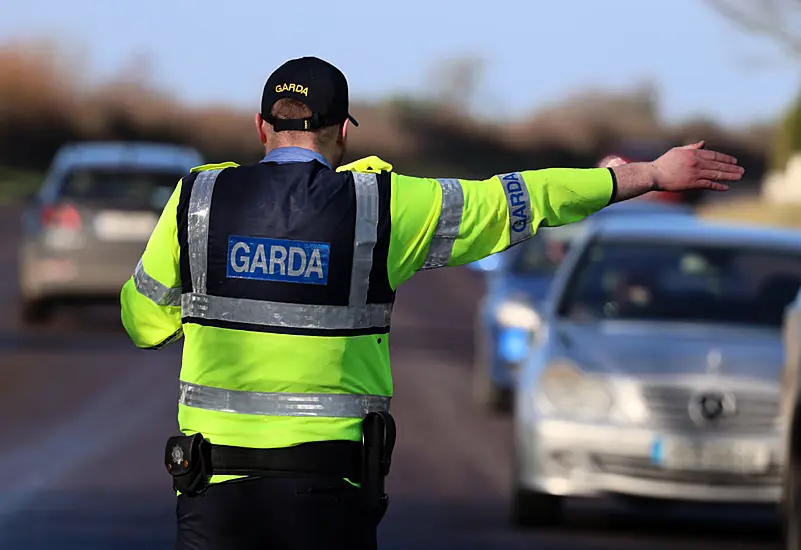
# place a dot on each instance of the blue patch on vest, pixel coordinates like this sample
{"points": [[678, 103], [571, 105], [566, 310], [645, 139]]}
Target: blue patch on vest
{"points": [[278, 260]]}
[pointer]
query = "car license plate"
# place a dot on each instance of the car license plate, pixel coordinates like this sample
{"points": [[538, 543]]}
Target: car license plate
{"points": [[743, 457], [125, 226]]}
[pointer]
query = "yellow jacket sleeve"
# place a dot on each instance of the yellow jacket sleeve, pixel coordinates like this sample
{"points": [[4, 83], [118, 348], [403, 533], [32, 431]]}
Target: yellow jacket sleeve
{"points": [[151, 298], [450, 222]]}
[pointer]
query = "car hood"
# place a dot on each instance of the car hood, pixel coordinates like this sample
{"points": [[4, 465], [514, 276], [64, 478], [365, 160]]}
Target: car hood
{"points": [[653, 349]]}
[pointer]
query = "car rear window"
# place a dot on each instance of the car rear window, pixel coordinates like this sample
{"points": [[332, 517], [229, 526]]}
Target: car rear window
{"points": [[131, 187]]}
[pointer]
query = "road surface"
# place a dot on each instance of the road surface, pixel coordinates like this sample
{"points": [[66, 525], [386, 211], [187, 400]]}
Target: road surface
{"points": [[85, 416]]}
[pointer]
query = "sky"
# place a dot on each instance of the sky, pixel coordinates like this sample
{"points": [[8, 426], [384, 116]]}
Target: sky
{"points": [[535, 52]]}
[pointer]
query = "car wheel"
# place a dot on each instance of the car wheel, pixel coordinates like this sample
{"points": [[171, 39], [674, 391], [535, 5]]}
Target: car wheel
{"points": [[36, 312], [487, 393], [792, 508], [535, 509]]}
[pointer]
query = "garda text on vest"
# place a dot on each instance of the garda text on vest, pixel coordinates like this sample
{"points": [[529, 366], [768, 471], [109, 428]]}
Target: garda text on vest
{"points": [[278, 260], [519, 207]]}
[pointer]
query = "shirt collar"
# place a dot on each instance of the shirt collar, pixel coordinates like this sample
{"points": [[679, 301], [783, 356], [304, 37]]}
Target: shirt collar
{"points": [[283, 155]]}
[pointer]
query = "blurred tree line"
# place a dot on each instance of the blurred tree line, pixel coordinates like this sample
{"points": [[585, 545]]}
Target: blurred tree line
{"points": [[47, 100], [779, 21]]}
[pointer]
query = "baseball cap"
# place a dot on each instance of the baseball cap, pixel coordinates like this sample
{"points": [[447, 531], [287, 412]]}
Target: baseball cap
{"points": [[315, 83]]}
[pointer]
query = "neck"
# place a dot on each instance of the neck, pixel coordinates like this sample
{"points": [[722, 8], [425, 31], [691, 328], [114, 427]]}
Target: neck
{"points": [[325, 154]]}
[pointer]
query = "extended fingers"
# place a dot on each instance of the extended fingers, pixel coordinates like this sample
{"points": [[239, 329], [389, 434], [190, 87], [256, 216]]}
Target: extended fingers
{"points": [[711, 185], [715, 156], [720, 175], [720, 167]]}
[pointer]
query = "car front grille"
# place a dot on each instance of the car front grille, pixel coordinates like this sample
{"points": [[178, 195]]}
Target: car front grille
{"points": [[754, 413], [645, 469]]}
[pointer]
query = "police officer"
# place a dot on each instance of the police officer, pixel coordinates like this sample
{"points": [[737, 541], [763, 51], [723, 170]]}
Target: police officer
{"points": [[281, 277]]}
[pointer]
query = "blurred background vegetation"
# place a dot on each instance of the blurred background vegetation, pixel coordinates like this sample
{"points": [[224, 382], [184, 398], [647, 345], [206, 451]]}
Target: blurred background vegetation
{"points": [[44, 103], [47, 100]]}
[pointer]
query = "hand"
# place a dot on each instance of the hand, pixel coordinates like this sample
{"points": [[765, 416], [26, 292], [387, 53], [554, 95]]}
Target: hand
{"points": [[693, 167]]}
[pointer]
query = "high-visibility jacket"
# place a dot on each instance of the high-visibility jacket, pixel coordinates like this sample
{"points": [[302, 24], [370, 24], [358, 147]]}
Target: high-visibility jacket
{"points": [[281, 279]]}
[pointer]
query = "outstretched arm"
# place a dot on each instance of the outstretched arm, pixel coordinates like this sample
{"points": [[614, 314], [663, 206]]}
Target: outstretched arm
{"points": [[450, 222]]}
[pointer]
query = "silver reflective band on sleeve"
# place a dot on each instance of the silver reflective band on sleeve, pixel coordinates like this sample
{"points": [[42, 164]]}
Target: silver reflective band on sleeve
{"points": [[519, 204], [365, 236], [278, 314], [198, 227], [158, 293], [281, 404], [450, 219]]}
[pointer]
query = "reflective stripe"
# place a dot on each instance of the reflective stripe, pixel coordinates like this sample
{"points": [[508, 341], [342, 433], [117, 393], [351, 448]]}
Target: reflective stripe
{"points": [[198, 227], [278, 314], [365, 236], [158, 293], [281, 404], [450, 218], [519, 204]]}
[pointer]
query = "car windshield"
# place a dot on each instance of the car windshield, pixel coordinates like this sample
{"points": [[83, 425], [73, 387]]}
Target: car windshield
{"points": [[682, 283], [542, 253], [131, 187]]}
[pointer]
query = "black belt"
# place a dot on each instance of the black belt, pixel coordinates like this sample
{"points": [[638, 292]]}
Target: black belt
{"points": [[325, 458], [192, 460]]}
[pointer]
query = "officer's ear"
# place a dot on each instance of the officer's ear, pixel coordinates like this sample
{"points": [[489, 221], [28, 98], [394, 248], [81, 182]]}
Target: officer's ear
{"points": [[342, 135], [260, 129]]}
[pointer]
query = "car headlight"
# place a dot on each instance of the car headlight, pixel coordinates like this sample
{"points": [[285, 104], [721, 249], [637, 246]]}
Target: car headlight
{"points": [[515, 314], [565, 390], [630, 406]]}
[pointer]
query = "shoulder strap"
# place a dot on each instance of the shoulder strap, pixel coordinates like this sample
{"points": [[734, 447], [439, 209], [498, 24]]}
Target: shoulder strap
{"points": [[218, 166], [372, 164]]}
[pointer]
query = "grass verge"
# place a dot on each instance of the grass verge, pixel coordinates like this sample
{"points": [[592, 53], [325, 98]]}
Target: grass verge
{"points": [[17, 185]]}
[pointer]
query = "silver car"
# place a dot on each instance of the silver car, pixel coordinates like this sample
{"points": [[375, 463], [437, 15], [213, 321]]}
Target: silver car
{"points": [[503, 330], [790, 405], [91, 219], [655, 370]]}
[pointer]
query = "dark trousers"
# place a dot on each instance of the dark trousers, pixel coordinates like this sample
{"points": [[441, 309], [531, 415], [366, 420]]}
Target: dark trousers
{"points": [[282, 513]]}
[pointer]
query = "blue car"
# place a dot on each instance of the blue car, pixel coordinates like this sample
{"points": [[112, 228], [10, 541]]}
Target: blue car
{"points": [[517, 280]]}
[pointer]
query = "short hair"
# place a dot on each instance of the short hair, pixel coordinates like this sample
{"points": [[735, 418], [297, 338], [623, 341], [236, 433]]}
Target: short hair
{"points": [[287, 108]]}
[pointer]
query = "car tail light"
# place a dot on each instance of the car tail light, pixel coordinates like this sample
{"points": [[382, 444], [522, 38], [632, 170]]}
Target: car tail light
{"points": [[667, 196], [64, 216]]}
